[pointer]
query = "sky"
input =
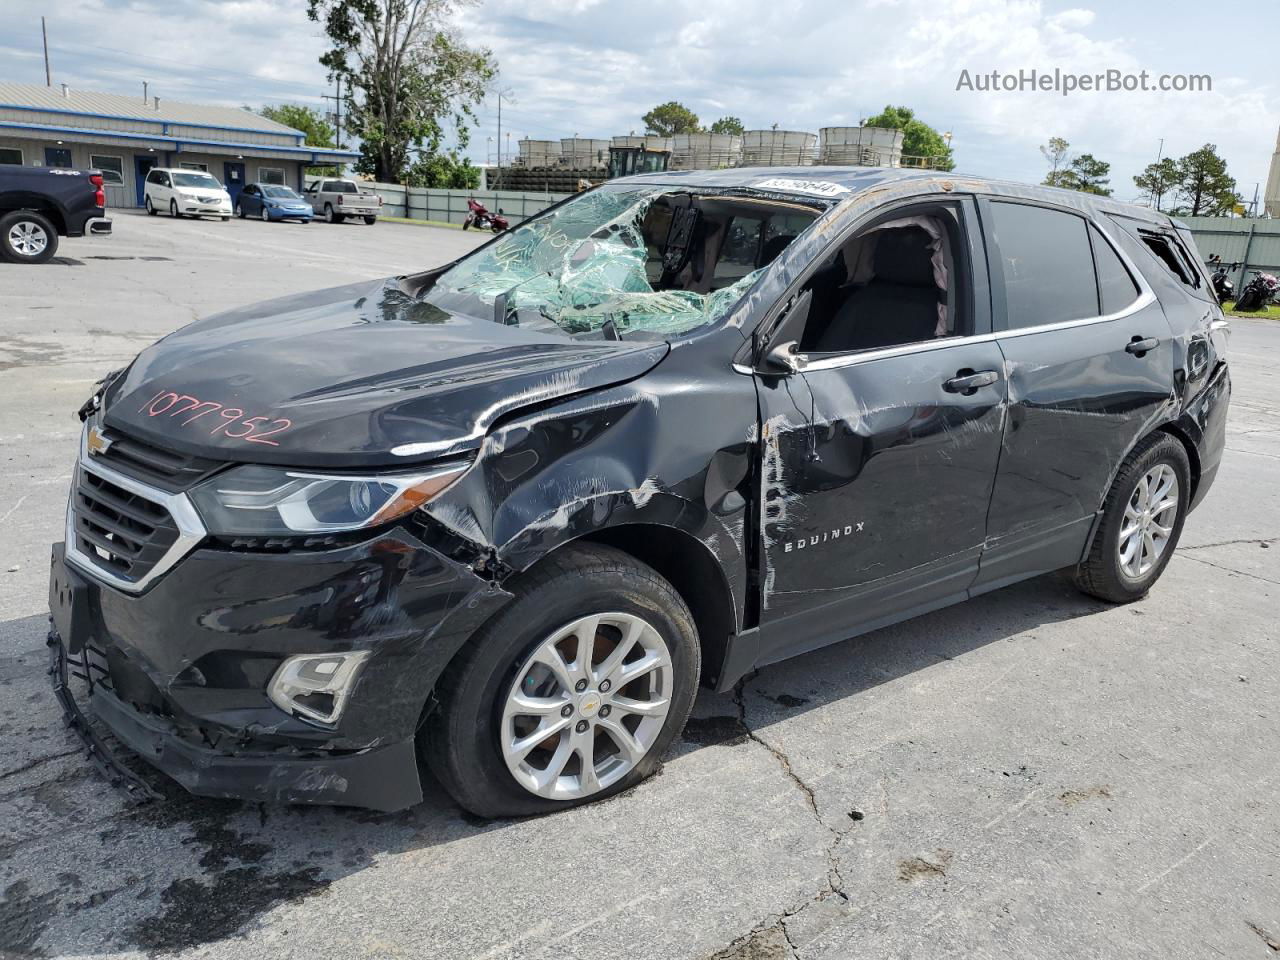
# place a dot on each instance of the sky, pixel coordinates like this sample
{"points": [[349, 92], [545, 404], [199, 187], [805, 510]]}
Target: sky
{"points": [[593, 67]]}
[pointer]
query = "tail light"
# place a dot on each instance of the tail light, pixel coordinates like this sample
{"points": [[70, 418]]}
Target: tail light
{"points": [[339, 199], [379, 199], [99, 196]]}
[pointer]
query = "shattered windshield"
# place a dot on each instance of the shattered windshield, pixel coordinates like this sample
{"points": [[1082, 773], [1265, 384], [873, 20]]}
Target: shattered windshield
{"points": [[647, 261]]}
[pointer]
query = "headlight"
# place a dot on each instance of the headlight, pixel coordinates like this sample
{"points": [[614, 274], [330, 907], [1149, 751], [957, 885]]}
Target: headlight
{"points": [[260, 501]]}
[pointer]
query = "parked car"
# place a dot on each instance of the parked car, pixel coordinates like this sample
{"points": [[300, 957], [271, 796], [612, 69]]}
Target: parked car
{"points": [[336, 200], [272, 201], [185, 193], [507, 514], [40, 204]]}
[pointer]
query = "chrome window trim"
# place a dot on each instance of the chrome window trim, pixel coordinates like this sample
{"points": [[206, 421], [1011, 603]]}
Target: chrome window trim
{"points": [[190, 528]]}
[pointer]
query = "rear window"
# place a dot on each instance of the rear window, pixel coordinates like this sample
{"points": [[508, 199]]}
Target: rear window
{"points": [[340, 186], [1116, 288], [1047, 264]]}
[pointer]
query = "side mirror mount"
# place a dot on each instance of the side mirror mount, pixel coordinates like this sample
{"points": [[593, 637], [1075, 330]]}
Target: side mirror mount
{"points": [[783, 355]]}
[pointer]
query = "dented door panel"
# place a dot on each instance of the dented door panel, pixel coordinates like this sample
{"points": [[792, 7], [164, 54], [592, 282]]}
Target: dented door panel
{"points": [[875, 484]]}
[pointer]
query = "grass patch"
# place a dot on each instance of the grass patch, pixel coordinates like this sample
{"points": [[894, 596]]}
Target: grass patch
{"points": [[1270, 312], [422, 223]]}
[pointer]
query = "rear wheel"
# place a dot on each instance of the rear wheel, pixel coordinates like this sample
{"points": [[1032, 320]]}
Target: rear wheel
{"points": [[1141, 522], [151, 210], [27, 237], [371, 220], [330, 216], [573, 693]]}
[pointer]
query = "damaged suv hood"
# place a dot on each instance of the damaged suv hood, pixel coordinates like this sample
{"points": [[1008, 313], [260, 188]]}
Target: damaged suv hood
{"points": [[353, 376]]}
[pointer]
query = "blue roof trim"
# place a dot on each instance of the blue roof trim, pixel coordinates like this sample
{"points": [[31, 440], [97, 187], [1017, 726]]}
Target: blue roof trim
{"points": [[158, 120], [176, 143]]}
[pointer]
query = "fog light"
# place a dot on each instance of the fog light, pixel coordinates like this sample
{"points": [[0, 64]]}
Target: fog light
{"points": [[315, 686]]}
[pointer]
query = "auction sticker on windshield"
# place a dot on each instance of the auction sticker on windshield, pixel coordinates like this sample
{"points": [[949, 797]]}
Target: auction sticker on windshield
{"points": [[818, 188]]}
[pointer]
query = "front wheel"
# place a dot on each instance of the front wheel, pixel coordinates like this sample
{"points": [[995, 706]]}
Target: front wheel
{"points": [[264, 215], [27, 237], [173, 210], [1141, 522], [571, 694]]}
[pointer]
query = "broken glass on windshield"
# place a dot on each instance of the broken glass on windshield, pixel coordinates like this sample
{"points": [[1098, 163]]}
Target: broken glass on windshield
{"points": [[627, 260]]}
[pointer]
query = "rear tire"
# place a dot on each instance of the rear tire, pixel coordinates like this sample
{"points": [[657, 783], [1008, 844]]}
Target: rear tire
{"points": [[27, 237], [151, 210], [462, 741], [371, 220], [1136, 539]]}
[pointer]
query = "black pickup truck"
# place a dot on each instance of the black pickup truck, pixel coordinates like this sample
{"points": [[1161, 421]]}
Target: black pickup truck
{"points": [[40, 204]]}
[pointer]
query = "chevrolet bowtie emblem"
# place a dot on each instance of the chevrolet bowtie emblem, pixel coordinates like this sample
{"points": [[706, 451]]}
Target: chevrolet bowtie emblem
{"points": [[97, 441]]}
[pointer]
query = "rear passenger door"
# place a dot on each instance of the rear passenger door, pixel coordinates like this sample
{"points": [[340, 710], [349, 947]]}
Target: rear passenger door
{"points": [[1088, 361]]}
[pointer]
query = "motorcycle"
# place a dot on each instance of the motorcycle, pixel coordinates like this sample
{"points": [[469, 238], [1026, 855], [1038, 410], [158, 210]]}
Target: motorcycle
{"points": [[482, 219], [1258, 292], [1223, 288]]}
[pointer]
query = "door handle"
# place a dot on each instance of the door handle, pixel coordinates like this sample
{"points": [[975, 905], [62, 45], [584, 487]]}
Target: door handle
{"points": [[1138, 346], [967, 382]]}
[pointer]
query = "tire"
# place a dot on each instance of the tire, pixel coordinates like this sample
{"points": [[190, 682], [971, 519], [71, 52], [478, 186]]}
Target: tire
{"points": [[226, 218], [1104, 573], [371, 220], [27, 237], [239, 211], [151, 210], [466, 224], [173, 210], [461, 741], [266, 217], [330, 216]]}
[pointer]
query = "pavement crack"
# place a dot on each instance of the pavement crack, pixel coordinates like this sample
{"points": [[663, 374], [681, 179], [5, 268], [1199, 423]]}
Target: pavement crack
{"points": [[1238, 573], [37, 762], [1260, 541], [739, 699], [1272, 943]]}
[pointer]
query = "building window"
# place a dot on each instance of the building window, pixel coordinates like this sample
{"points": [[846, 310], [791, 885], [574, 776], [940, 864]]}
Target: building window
{"points": [[11, 155], [194, 166], [270, 175], [112, 167]]}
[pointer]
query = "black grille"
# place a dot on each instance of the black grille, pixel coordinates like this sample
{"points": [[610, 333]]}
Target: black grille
{"points": [[152, 465], [119, 531]]}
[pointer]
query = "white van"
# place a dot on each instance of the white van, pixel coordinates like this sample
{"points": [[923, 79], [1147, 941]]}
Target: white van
{"points": [[182, 193]]}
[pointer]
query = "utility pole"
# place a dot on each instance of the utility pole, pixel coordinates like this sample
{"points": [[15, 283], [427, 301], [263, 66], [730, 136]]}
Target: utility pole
{"points": [[1151, 196], [499, 139], [337, 117], [44, 35]]}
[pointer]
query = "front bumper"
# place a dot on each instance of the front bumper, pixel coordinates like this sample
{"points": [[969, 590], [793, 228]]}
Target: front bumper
{"points": [[194, 208], [281, 213], [179, 672]]}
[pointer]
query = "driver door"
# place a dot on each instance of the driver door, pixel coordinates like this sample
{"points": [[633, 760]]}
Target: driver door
{"points": [[880, 445]]}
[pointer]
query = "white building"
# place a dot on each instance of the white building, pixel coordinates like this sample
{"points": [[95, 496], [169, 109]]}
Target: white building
{"points": [[125, 137]]}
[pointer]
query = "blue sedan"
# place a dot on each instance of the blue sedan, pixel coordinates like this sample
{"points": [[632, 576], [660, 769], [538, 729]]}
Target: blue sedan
{"points": [[272, 201]]}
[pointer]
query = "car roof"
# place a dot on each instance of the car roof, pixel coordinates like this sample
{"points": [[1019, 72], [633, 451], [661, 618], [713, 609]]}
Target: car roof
{"points": [[845, 183]]}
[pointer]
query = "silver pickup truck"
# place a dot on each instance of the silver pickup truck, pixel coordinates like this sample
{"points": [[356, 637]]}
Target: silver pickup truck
{"points": [[335, 200]]}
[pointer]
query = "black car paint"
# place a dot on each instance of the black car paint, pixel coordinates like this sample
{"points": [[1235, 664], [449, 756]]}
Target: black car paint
{"points": [[705, 467], [64, 195]]}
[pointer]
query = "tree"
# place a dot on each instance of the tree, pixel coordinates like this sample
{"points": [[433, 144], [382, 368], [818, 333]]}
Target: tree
{"points": [[408, 74], [730, 125], [444, 171], [311, 122], [918, 138], [1204, 184], [670, 118], [1088, 174], [1055, 151], [1158, 179]]}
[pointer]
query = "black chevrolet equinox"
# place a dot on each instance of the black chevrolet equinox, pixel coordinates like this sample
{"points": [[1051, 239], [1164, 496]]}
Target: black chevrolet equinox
{"points": [[501, 518]]}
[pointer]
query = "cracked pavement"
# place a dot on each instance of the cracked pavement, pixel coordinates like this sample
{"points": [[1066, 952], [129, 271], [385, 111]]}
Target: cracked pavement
{"points": [[1030, 774]]}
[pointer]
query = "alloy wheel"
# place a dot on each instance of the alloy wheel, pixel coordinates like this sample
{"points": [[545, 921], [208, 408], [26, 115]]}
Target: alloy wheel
{"points": [[587, 706], [28, 239], [1149, 517]]}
